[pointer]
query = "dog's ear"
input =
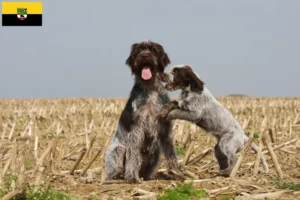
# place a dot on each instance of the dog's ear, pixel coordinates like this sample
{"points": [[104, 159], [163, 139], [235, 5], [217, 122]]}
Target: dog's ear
{"points": [[130, 59], [196, 82], [163, 56], [166, 59]]}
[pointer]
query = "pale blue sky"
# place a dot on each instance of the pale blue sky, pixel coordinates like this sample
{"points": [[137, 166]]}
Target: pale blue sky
{"points": [[250, 47]]}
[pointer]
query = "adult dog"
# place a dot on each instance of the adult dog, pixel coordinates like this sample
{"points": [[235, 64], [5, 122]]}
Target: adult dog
{"points": [[198, 105], [136, 146]]}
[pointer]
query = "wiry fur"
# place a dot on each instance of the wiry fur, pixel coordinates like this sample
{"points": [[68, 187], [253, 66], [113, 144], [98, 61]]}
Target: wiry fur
{"points": [[136, 146], [198, 105]]}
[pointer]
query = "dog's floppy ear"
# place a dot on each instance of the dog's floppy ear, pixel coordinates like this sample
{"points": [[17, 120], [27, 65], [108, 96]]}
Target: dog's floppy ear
{"points": [[166, 59], [196, 81], [130, 59]]}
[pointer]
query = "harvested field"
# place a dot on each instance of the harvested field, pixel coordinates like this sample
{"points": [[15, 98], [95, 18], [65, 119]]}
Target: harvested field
{"points": [[53, 141]]}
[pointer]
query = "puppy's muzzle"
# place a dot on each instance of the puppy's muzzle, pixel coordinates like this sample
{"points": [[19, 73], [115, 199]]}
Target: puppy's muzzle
{"points": [[167, 77]]}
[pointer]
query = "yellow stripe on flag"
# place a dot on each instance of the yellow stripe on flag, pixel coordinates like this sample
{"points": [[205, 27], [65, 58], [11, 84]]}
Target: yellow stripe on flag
{"points": [[32, 7]]}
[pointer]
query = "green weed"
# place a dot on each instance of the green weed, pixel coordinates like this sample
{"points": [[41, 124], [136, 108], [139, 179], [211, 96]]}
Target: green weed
{"points": [[256, 136], [7, 185], [29, 164], [276, 181], [182, 192], [180, 150], [291, 186], [287, 186], [37, 193], [225, 197]]}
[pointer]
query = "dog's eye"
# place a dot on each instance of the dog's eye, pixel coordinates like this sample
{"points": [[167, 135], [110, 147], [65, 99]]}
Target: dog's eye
{"points": [[155, 51]]}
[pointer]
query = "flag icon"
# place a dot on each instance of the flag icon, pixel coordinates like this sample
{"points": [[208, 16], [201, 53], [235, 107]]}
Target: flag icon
{"points": [[21, 13]]}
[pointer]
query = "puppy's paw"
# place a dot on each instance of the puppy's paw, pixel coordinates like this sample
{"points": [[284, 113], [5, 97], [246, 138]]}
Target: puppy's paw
{"points": [[164, 112], [175, 104], [166, 109]]}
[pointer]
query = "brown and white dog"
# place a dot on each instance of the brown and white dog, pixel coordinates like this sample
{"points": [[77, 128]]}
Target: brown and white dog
{"points": [[136, 146], [197, 105]]}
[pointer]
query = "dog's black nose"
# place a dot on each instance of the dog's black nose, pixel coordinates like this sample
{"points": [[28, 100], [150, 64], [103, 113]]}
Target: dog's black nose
{"points": [[146, 56]]}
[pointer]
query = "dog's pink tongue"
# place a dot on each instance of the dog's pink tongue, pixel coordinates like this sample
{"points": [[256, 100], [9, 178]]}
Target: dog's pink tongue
{"points": [[146, 74]]}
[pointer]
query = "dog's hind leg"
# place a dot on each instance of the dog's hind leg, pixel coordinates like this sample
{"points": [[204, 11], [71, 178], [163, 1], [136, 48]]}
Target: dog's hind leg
{"points": [[114, 161], [134, 159], [229, 145]]}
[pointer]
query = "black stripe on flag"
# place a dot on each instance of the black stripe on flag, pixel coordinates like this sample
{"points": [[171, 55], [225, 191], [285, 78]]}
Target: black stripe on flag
{"points": [[13, 20]]}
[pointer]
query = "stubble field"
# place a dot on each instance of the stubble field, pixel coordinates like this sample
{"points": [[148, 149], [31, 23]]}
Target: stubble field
{"points": [[61, 142]]}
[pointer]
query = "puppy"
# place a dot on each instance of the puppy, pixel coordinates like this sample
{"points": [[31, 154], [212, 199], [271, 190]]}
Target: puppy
{"points": [[140, 137], [197, 105]]}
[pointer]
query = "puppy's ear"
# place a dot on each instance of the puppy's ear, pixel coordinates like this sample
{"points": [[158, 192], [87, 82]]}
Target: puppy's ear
{"points": [[130, 59], [196, 82]]}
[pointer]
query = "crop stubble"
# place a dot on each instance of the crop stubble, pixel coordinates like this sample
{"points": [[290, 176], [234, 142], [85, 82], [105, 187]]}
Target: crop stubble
{"points": [[61, 142]]}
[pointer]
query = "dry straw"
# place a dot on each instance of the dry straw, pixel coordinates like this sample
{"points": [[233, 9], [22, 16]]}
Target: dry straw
{"points": [[46, 138]]}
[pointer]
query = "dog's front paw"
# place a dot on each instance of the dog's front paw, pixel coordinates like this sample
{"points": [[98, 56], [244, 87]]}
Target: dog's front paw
{"points": [[132, 180]]}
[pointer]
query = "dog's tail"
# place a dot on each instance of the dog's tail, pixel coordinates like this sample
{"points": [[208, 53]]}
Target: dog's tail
{"points": [[254, 147]]}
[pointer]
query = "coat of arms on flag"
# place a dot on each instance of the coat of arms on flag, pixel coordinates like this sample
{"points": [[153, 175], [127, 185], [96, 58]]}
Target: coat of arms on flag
{"points": [[22, 13]]}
